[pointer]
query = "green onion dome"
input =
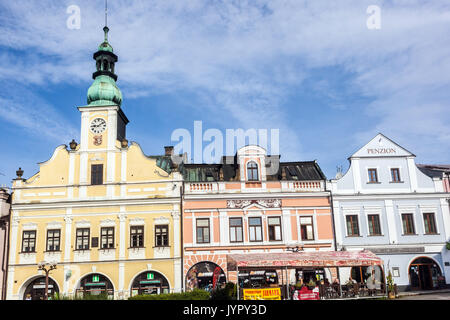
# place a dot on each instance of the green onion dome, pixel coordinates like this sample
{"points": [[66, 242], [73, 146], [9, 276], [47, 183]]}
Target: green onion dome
{"points": [[104, 90]]}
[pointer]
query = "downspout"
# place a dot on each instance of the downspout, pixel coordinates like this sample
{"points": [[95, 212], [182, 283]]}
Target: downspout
{"points": [[6, 244], [181, 235], [332, 218], [334, 230]]}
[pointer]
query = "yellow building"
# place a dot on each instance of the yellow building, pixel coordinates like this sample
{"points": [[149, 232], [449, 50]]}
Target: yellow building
{"points": [[106, 213]]}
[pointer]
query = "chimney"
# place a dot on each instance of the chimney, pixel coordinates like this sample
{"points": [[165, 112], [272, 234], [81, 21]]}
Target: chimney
{"points": [[168, 150]]}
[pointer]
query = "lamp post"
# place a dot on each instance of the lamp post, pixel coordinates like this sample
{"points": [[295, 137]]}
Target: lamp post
{"points": [[46, 267]]}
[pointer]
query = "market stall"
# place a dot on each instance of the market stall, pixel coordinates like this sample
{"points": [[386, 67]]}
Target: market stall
{"points": [[320, 287]]}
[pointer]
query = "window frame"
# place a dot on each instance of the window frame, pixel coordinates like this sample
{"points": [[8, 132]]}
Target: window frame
{"points": [[83, 237], [53, 239], [306, 225], [108, 237], [373, 234], [164, 235], [274, 225], [398, 177], [203, 232], [255, 227], [233, 229], [358, 234], [252, 171], [433, 223], [370, 176], [138, 236], [413, 224], [28, 240], [96, 175]]}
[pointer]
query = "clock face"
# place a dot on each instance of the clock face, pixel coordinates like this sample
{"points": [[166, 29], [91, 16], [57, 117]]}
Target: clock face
{"points": [[98, 125]]}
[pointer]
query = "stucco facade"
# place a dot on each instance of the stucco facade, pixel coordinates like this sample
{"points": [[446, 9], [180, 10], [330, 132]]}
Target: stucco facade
{"points": [[385, 204], [101, 209], [229, 206]]}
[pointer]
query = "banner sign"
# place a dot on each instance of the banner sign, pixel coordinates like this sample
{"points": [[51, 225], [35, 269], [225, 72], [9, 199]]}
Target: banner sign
{"points": [[262, 294], [306, 294]]}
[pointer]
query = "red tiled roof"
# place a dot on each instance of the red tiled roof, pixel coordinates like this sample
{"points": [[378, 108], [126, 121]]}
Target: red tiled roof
{"points": [[304, 259]]}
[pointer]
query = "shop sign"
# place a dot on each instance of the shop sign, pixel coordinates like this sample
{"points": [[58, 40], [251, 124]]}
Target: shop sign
{"points": [[95, 284], [262, 294], [42, 286], [150, 276], [95, 278], [149, 281]]}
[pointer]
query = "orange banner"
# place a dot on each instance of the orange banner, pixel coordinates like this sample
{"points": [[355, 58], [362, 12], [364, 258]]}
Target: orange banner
{"points": [[262, 294]]}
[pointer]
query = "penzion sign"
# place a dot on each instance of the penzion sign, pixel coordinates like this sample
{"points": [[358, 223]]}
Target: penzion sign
{"points": [[381, 151]]}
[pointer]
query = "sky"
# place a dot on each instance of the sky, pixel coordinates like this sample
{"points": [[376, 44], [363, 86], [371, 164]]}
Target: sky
{"points": [[311, 69]]}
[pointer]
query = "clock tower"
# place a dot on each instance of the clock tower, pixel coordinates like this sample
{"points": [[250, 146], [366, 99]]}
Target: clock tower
{"points": [[103, 122]]}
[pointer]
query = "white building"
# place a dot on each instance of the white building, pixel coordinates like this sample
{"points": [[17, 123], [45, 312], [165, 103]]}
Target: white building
{"points": [[385, 204]]}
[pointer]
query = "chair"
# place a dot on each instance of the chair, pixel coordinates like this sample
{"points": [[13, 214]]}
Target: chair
{"points": [[356, 289]]}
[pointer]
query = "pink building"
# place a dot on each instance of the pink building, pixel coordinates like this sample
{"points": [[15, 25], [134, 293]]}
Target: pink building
{"points": [[5, 204], [252, 203]]}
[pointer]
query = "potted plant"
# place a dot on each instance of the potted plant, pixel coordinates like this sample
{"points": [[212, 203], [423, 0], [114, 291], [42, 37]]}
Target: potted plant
{"points": [[391, 286], [447, 245]]}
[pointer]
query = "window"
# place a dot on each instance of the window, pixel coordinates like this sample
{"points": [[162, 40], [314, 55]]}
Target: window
{"points": [[374, 225], [236, 230], [53, 240], [430, 223], [373, 177], [395, 174], [408, 223], [352, 226], [274, 224], [162, 235], [255, 229], [96, 174], [252, 171], [306, 228], [29, 241], [82, 239], [202, 230], [107, 237], [137, 236]]}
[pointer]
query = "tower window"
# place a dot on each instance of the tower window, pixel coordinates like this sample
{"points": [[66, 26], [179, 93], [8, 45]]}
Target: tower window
{"points": [[96, 174], [252, 171]]}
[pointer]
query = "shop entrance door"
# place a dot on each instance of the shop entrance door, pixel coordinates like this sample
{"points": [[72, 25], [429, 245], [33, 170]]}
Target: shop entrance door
{"points": [[422, 272]]}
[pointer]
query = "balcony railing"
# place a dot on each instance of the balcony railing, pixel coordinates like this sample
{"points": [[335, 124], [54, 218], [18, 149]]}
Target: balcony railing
{"points": [[286, 186]]}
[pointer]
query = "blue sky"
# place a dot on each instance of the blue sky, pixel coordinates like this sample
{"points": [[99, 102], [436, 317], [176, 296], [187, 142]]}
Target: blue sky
{"points": [[311, 69]]}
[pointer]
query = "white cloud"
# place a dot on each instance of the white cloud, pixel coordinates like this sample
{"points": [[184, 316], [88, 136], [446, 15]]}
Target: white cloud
{"points": [[246, 57]]}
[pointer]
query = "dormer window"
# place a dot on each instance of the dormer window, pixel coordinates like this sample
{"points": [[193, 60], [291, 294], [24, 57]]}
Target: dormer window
{"points": [[252, 171]]}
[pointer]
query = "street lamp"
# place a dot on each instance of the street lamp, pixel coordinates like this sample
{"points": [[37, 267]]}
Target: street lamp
{"points": [[46, 267]]}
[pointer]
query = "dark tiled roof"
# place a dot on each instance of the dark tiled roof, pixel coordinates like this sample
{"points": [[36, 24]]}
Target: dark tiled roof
{"points": [[307, 170], [434, 171]]}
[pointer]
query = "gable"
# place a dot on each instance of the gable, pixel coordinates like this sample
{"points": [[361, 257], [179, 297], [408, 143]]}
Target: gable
{"points": [[382, 146]]}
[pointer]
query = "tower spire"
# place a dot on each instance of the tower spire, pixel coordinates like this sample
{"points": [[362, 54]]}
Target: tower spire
{"points": [[106, 13]]}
